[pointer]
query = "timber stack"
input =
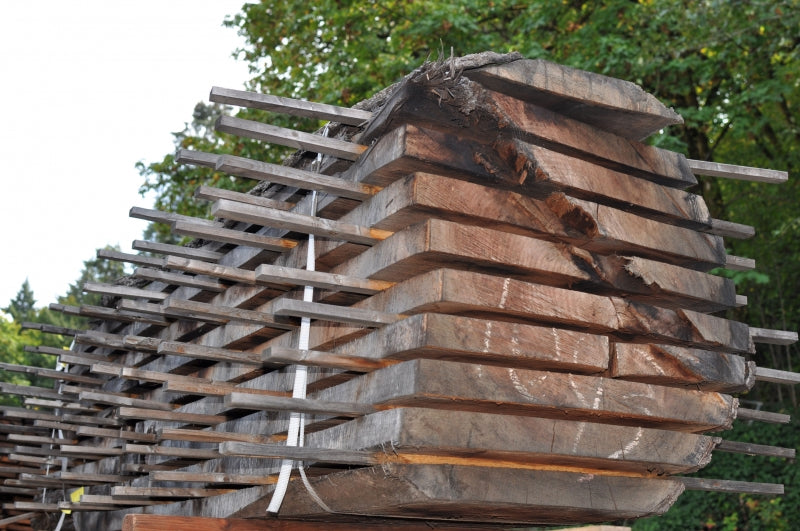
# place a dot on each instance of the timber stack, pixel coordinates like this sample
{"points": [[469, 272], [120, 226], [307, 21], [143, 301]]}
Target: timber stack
{"points": [[478, 299]]}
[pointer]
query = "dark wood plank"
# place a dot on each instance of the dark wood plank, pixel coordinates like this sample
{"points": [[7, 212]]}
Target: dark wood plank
{"points": [[543, 171], [559, 218], [170, 416], [483, 388], [124, 492], [614, 105], [123, 291], [680, 366], [456, 338], [115, 314], [467, 293], [416, 435], [52, 374], [460, 493], [437, 243], [512, 118], [157, 522]]}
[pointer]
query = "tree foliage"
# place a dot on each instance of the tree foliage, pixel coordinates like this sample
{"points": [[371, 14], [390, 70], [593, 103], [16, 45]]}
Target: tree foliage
{"points": [[14, 339]]}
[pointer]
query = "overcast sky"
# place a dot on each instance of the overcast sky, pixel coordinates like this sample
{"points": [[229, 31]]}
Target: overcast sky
{"points": [[89, 88]]}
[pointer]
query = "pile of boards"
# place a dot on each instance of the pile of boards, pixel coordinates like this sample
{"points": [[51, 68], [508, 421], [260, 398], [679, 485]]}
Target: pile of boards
{"points": [[512, 322]]}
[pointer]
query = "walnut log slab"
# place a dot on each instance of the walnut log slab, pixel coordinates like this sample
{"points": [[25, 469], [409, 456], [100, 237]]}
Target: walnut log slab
{"points": [[478, 494], [482, 388]]}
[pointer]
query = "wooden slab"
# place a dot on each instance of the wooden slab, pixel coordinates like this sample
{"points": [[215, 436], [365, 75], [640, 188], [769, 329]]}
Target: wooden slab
{"points": [[455, 338], [461, 493], [157, 522], [402, 143], [543, 171], [483, 388], [559, 218], [436, 243], [415, 435], [673, 365], [614, 105], [467, 293]]}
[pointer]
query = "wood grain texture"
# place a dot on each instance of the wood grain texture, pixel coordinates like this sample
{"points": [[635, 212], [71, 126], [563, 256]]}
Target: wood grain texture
{"points": [[461, 493], [679, 366], [559, 218], [474, 294], [470, 387], [412, 434], [455, 338], [614, 105], [508, 117], [437, 243]]}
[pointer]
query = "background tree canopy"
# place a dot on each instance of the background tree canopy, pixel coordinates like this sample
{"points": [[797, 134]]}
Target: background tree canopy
{"points": [[730, 68]]}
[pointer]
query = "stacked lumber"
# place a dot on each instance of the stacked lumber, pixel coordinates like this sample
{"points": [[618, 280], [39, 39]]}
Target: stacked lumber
{"points": [[500, 298]]}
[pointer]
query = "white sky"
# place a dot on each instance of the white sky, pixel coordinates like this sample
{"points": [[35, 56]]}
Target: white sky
{"points": [[88, 88]]}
